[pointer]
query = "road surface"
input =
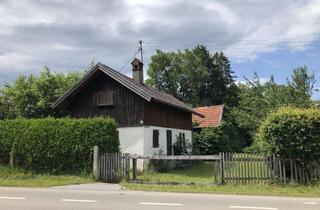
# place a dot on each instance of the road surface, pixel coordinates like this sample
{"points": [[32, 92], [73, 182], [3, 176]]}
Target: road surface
{"points": [[101, 196]]}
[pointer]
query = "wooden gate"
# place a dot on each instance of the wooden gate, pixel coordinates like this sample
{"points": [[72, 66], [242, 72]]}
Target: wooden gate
{"points": [[114, 167]]}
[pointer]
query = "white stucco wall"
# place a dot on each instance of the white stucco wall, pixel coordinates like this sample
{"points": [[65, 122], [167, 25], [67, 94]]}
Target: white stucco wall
{"points": [[148, 133], [131, 140], [138, 140]]}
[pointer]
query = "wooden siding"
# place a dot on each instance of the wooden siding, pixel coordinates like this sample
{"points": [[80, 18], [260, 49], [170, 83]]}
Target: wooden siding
{"points": [[128, 109], [158, 114]]}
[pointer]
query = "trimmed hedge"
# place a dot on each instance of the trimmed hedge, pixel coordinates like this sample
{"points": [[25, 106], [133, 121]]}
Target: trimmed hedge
{"points": [[293, 133], [56, 145]]}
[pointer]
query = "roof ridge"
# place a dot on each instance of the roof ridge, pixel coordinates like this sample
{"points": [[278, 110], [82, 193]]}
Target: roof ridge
{"points": [[145, 91]]}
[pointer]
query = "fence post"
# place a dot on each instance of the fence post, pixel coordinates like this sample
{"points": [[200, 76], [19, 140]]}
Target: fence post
{"points": [[222, 168], [11, 160], [134, 169], [96, 162], [291, 171]]}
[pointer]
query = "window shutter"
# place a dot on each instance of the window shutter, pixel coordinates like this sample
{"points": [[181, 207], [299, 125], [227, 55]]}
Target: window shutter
{"points": [[155, 139], [103, 98]]}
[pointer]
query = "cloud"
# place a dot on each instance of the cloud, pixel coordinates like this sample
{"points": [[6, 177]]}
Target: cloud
{"points": [[67, 35]]}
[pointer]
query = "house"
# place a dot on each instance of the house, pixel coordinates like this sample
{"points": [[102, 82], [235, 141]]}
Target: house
{"points": [[149, 120], [212, 117]]}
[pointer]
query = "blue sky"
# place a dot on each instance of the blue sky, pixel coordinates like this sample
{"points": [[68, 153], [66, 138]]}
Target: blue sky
{"points": [[281, 63], [270, 37]]}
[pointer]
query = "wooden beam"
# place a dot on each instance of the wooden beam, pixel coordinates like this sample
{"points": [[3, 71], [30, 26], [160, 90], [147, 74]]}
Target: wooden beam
{"points": [[179, 157]]}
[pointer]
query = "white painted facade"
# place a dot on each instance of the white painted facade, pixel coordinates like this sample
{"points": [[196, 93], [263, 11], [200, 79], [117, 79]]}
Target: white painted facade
{"points": [[139, 140]]}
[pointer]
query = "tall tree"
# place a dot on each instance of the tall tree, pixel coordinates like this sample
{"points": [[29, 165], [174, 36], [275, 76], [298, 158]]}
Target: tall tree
{"points": [[194, 76], [32, 97], [257, 100], [221, 88], [252, 106], [1, 107], [301, 87]]}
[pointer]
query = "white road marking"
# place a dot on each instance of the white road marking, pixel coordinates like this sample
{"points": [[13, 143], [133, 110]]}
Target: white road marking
{"points": [[75, 200], [310, 203], [13, 198], [161, 204], [253, 207]]}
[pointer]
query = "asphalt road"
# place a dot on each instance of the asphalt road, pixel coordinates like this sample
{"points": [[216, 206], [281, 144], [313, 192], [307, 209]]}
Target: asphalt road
{"points": [[111, 198]]}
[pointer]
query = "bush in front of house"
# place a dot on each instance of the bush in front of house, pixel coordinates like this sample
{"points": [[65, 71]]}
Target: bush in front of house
{"points": [[292, 133], [213, 140], [56, 145]]}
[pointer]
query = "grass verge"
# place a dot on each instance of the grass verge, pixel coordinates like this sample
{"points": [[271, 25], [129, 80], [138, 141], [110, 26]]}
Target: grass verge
{"points": [[270, 190], [203, 173], [15, 177]]}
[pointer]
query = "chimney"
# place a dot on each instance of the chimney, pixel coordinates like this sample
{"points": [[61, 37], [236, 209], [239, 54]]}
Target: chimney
{"points": [[137, 70]]}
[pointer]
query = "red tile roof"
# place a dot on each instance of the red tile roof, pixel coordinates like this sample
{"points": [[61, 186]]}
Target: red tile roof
{"points": [[213, 116]]}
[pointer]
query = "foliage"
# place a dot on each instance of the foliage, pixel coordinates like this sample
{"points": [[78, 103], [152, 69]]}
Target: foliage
{"points": [[160, 165], [194, 76], [32, 96], [258, 99], [210, 141], [56, 145], [181, 146], [294, 133], [301, 87]]}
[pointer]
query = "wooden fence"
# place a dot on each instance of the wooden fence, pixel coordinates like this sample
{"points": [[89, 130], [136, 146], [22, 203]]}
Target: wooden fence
{"points": [[246, 168], [237, 168]]}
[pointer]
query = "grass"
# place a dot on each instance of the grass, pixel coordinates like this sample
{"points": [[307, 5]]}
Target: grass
{"points": [[16, 177], [270, 190], [203, 173], [197, 173]]}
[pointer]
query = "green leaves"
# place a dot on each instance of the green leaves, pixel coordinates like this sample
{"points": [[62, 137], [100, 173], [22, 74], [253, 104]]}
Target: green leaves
{"points": [[56, 145], [32, 97], [194, 76], [293, 133], [301, 87], [224, 138], [258, 99]]}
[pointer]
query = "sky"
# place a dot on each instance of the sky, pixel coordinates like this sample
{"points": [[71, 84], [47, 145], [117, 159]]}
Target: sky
{"points": [[270, 37]]}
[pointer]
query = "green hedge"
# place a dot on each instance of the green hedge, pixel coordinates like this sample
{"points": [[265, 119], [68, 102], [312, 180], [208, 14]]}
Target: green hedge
{"points": [[56, 145], [293, 133]]}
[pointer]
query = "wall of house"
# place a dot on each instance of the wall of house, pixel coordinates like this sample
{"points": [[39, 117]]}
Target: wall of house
{"points": [[128, 108], [158, 114], [131, 140], [138, 140], [148, 138]]}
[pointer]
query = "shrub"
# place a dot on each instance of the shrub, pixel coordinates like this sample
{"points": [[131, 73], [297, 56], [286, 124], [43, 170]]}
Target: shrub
{"points": [[210, 141], [292, 132], [56, 145], [182, 146]]}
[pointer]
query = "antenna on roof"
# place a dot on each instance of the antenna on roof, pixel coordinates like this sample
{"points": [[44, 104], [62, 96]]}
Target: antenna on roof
{"points": [[141, 51]]}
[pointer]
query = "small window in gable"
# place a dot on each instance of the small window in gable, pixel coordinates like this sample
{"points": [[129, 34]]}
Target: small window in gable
{"points": [[155, 139], [103, 98]]}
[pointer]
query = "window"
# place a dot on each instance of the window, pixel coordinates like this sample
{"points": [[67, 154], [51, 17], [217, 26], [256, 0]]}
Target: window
{"points": [[169, 142], [103, 98], [155, 139], [182, 137]]}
